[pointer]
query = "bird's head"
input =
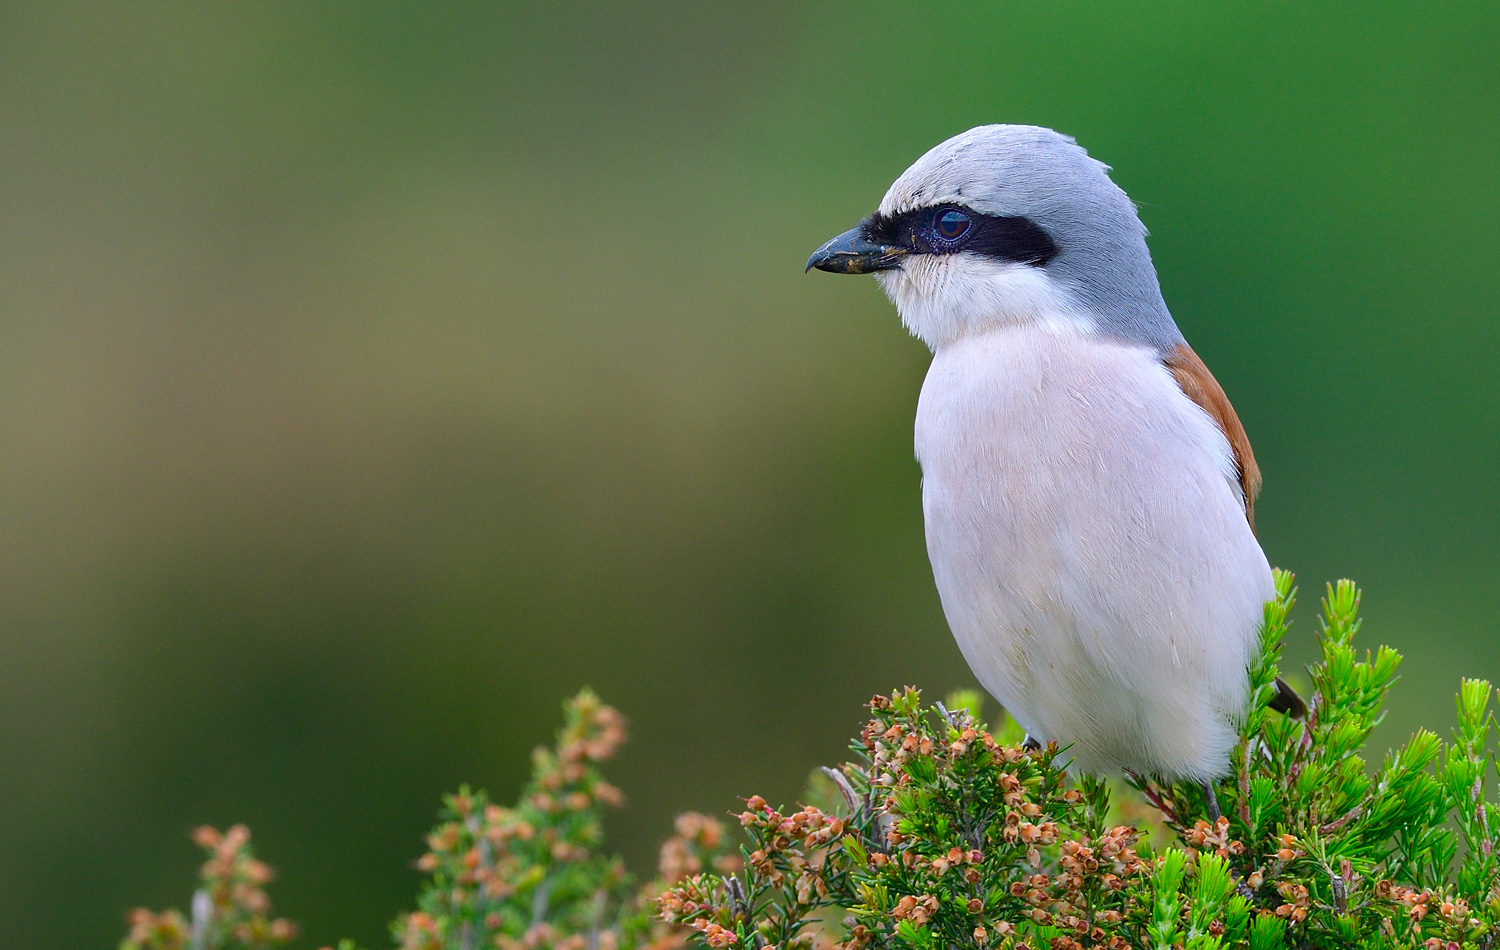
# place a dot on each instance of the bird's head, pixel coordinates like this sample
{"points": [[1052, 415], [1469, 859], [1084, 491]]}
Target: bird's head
{"points": [[1008, 225]]}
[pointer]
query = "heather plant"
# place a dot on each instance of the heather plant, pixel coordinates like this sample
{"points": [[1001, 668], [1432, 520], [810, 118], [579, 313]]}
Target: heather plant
{"points": [[950, 836], [531, 877], [939, 832], [229, 910]]}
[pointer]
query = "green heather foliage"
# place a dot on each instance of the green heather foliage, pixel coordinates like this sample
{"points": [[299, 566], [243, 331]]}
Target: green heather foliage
{"points": [[941, 834]]}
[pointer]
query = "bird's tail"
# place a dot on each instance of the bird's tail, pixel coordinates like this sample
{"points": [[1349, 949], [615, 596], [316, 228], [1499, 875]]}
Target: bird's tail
{"points": [[1287, 701]]}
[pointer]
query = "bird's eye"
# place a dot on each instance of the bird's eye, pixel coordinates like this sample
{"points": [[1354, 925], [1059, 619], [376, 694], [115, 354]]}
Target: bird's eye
{"points": [[951, 225]]}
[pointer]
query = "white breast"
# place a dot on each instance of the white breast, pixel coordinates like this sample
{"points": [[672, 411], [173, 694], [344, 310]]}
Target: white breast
{"points": [[1090, 548]]}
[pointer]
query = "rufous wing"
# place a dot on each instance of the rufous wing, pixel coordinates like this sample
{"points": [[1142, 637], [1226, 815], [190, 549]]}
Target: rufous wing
{"points": [[1199, 385]]}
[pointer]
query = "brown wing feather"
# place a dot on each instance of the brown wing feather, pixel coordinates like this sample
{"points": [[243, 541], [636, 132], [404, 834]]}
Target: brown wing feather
{"points": [[1199, 385]]}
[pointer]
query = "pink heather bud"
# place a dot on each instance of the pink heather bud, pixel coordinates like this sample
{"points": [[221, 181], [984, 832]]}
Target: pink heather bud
{"points": [[258, 872], [609, 795], [236, 838]]}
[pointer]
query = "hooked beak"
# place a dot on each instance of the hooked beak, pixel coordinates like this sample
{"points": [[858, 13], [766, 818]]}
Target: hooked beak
{"points": [[853, 253]]}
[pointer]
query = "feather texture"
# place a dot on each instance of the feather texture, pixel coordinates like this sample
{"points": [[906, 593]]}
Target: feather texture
{"points": [[1090, 546]]}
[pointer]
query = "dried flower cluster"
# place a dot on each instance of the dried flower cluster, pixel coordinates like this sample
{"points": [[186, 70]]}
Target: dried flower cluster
{"points": [[945, 837], [941, 834], [698, 845], [230, 909], [531, 877]]}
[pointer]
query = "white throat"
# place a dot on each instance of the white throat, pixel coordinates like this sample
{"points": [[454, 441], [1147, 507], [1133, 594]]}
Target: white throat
{"points": [[943, 298]]}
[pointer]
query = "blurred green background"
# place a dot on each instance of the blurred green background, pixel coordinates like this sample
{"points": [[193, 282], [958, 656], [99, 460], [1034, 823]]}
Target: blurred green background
{"points": [[373, 376]]}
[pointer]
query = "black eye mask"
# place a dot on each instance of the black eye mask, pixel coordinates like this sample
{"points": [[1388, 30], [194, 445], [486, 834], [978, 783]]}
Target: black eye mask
{"points": [[949, 229]]}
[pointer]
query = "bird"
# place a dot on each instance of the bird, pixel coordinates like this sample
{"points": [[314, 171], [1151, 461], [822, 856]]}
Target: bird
{"points": [[1088, 491]]}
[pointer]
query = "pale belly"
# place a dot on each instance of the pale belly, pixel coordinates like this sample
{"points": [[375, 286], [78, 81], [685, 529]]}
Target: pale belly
{"points": [[1090, 547]]}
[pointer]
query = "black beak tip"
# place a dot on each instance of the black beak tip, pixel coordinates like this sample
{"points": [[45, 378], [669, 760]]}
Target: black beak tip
{"points": [[853, 253], [820, 258]]}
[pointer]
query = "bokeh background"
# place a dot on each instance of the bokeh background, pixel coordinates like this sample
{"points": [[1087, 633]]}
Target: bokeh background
{"points": [[373, 376]]}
